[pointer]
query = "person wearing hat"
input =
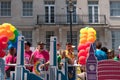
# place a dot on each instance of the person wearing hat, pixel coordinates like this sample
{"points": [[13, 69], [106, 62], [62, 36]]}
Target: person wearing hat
{"points": [[111, 54], [27, 55], [69, 55], [10, 59], [40, 55]]}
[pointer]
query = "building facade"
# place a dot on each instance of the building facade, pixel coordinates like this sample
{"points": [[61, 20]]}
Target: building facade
{"points": [[37, 20]]}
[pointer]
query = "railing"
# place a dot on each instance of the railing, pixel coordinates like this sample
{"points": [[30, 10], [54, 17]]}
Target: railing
{"points": [[76, 19]]}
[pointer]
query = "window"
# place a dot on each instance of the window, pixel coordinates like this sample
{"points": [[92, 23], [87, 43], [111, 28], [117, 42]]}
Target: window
{"points": [[115, 39], [49, 12], [27, 8], [27, 35], [114, 8], [48, 35], [93, 11], [74, 38], [5, 8], [74, 16]]}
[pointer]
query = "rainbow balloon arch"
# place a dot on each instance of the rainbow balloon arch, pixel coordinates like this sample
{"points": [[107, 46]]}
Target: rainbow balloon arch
{"points": [[8, 37]]}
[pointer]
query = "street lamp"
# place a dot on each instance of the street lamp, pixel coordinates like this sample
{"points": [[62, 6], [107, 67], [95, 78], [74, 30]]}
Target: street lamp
{"points": [[70, 10]]}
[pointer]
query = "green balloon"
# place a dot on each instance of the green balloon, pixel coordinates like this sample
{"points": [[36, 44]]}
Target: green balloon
{"points": [[16, 33], [59, 59], [14, 40]]}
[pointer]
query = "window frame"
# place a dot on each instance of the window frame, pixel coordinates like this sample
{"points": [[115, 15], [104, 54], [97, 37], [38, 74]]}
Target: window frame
{"points": [[112, 13], [27, 8], [5, 9]]}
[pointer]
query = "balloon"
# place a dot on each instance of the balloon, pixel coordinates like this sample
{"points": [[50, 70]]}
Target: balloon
{"points": [[87, 44], [81, 46], [10, 46], [12, 37], [83, 40], [3, 38], [83, 31], [2, 54], [16, 33], [91, 39], [12, 28], [87, 49], [82, 60], [82, 53], [3, 45], [91, 30], [83, 36]]}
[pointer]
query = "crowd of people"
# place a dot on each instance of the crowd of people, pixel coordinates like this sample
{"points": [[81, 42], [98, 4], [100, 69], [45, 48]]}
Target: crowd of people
{"points": [[40, 54]]}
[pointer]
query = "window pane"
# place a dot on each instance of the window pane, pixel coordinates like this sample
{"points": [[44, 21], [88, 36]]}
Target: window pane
{"points": [[6, 8], [115, 39], [27, 35], [74, 38], [115, 8], [48, 35], [27, 8]]}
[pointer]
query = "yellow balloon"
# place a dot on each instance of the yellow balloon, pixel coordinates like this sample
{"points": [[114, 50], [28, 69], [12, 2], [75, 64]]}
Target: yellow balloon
{"points": [[12, 28], [83, 31], [12, 37], [83, 36], [91, 30]]}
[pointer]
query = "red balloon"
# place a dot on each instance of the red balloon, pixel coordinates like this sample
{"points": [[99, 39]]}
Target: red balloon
{"points": [[88, 44], [87, 49], [82, 53], [2, 54], [4, 45], [3, 38], [82, 60], [81, 46]]}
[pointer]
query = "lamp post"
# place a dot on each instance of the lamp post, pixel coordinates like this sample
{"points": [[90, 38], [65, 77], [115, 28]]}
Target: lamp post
{"points": [[70, 10]]}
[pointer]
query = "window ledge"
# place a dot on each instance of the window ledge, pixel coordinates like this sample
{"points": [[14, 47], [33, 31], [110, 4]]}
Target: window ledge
{"points": [[5, 16], [114, 16]]}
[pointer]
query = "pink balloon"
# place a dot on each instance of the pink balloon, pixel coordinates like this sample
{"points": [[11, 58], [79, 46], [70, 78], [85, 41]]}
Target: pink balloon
{"points": [[82, 53], [82, 60], [81, 46]]}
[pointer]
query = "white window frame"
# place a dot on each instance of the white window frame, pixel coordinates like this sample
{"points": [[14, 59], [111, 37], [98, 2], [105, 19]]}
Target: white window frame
{"points": [[49, 12], [93, 12], [26, 9]]}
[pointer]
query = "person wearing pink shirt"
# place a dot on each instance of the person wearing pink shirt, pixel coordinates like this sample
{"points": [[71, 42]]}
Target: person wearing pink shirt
{"points": [[27, 55], [10, 59], [40, 55]]}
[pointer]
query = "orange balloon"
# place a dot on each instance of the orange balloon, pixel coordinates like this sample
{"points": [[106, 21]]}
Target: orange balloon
{"points": [[83, 36], [7, 27], [91, 39], [83, 40]]}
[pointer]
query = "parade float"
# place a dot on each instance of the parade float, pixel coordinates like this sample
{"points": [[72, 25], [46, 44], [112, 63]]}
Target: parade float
{"points": [[102, 70]]}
